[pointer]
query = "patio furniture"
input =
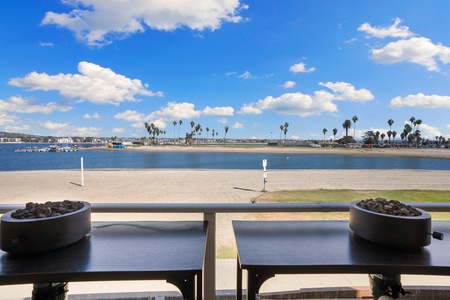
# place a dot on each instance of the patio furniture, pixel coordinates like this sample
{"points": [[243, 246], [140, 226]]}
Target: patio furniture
{"points": [[171, 251], [267, 248]]}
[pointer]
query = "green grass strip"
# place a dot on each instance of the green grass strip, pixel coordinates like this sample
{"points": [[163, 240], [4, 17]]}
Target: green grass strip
{"points": [[322, 195]]}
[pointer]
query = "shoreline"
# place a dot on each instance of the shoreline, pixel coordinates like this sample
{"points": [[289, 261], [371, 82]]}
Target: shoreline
{"points": [[437, 153]]}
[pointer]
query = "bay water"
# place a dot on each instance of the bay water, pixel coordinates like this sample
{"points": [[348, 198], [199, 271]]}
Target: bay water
{"points": [[125, 159]]}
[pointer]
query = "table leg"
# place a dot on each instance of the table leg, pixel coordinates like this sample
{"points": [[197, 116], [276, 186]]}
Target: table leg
{"points": [[238, 280], [50, 291], [252, 279], [199, 286], [255, 281], [186, 285]]}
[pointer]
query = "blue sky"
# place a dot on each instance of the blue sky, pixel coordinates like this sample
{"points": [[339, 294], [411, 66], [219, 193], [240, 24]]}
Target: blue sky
{"points": [[103, 68]]}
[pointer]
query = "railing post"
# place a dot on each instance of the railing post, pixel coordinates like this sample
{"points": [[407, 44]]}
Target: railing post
{"points": [[209, 269]]}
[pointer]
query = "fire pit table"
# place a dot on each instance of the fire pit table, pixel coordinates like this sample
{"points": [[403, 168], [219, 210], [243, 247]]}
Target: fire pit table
{"points": [[267, 248], [171, 251]]}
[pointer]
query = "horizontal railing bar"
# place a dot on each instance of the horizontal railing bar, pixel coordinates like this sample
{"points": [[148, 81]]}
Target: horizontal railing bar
{"points": [[230, 207]]}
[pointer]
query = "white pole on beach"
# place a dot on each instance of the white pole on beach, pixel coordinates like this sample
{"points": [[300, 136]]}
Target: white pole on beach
{"points": [[264, 162], [82, 173]]}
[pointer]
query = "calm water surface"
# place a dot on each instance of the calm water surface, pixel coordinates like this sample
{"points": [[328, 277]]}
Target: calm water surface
{"points": [[122, 159]]}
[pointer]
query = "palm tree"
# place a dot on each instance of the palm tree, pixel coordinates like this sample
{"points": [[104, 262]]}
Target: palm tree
{"points": [[389, 133], [355, 119], [147, 127], [417, 123], [382, 138], [390, 122], [192, 126], [225, 136], [402, 136], [281, 131], [207, 131], [394, 134], [377, 136], [324, 132], [152, 131], [346, 125], [174, 124], [213, 134], [407, 130], [417, 137], [179, 127], [334, 133], [285, 130], [197, 129]]}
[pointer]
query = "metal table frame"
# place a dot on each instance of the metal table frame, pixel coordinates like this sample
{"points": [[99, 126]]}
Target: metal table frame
{"points": [[171, 251], [266, 248]]}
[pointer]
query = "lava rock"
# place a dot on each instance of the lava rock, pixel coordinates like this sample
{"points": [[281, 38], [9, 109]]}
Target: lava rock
{"points": [[391, 207], [46, 210]]}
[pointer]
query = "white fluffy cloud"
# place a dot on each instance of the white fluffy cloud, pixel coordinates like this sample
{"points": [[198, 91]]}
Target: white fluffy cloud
{"points": [[94, 83], [93, 116], [394, 30], [131, 116], [304, 105], [418, 50], [301, 68], [82, 131], [23, 128], [54, 126], [223, 121], [289, 84], [28, 106], [65, 129], [409, 47], [99, 22], [7, 119], [176, 111], [346, 91], [429, 132], [294, 104], [246, 75], [118, 130], [237, 125], [172, 112], [422, 101], [218, 111]]}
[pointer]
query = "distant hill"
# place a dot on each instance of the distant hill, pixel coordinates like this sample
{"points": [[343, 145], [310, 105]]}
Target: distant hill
{"points": [[33, 138]]}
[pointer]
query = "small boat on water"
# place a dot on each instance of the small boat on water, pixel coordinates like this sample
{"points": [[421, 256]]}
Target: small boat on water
{"points": [[23, 149], [67, 149], [56, 148], [51, 148]]}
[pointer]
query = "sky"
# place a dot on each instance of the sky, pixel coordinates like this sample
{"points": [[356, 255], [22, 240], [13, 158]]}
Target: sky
{"points": [[104, 68]]}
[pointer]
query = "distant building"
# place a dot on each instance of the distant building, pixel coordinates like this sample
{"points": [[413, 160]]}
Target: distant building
{"points": [[10, 140], [65, 140]]}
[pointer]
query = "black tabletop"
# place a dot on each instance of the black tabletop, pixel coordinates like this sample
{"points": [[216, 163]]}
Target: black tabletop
{"points": [[331, 247], [115, 251]]}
